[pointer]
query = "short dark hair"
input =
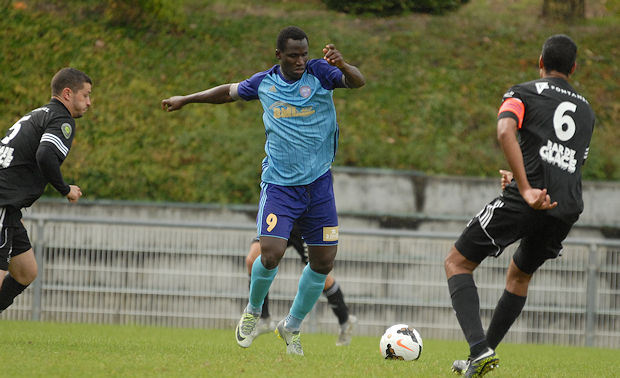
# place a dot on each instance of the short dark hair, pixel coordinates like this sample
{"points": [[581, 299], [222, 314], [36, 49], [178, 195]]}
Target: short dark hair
{"points": [[290, 32], [69, 78], [559, 53]]}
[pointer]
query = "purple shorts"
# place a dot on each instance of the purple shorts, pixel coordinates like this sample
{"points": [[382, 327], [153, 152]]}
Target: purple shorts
{"points": [[313, 207]]}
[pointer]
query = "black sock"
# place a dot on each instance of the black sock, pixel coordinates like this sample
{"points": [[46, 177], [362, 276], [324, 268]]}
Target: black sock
{"points": [[10, 289], [336, 302], [506, 312], [466, 304], [265, 313]]}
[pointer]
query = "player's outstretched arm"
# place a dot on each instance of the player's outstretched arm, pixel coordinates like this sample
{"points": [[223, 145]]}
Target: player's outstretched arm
{"points": [[352, 74], [506, 135], [215, 95]]}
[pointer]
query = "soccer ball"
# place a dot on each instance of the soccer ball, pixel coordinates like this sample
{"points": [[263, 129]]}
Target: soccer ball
{"points": [[401, 342]]}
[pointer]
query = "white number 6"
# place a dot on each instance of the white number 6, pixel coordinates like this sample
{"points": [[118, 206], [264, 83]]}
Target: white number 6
{"points": [[560, 119]]}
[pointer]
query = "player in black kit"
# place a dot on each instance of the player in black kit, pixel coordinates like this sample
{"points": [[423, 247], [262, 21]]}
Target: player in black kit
{"points": [[554, 125], [30, 156]]}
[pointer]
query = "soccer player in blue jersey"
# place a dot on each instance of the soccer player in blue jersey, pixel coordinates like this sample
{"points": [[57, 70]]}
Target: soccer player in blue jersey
{"points": [[301, 141]]}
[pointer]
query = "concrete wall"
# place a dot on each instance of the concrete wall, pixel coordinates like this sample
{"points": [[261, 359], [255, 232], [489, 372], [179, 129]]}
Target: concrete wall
{"points": [[369, 198], [402, 192]]}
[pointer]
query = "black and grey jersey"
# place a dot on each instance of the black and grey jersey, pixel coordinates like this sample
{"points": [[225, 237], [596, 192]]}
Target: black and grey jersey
{"points": [[554, 135], [49, 127]]}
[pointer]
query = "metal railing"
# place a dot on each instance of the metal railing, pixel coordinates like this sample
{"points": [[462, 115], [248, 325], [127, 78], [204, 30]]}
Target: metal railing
{"points": [[193, 275]]}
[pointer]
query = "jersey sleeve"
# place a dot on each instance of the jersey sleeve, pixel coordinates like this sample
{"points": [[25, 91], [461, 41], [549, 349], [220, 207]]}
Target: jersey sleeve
{"points": [[248, 88], [330, 76], [59, 135], [512, 107]]}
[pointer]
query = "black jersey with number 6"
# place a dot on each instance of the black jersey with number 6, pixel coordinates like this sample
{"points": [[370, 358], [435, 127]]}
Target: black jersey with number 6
{"points": [[554, 135], [21, 180]]}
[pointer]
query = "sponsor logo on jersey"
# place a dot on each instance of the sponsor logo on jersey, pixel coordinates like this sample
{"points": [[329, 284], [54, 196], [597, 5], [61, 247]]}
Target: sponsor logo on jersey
{"points": [[540, 87], [330, 233], [66, 130], [559, 155], [273, 89], [305, 91], [284, 110], [568, 93], [6, 156]]}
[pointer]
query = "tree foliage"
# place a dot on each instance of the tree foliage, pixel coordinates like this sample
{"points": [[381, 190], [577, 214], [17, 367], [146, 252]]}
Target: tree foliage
{"points": [[393, 7]]}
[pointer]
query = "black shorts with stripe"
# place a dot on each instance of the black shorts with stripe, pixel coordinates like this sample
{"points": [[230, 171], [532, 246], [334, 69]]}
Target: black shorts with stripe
{"points": [[505, 220], [13, 236]]}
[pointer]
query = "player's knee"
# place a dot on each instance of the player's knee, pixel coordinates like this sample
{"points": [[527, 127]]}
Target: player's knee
{"points": [[456, 263], [25, 276], [270, 257], [322, 266], [249, 261]]}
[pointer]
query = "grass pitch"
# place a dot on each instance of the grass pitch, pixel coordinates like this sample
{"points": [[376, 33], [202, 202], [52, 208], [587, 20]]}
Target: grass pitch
{"points": [[38, 349]]}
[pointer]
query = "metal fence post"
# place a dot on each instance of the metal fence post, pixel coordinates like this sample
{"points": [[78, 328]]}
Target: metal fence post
{"points": [[591, 293], [37, 285]]}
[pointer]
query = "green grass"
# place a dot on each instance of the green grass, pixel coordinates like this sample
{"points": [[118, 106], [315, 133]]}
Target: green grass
{"points": [[39, 349], [434, 84]]}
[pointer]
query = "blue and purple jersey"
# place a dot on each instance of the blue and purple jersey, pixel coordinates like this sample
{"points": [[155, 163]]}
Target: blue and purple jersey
{"points": [[300, 121]]}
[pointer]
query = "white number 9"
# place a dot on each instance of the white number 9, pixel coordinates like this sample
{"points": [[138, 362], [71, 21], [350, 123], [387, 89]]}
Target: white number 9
{"points": [[560, 119]]}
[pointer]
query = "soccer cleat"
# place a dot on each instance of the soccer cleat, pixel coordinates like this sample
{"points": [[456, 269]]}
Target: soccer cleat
{"points": [[264, 325], [459, 366], [346, 331], [292, 339], [482, 364], [244, 333]]}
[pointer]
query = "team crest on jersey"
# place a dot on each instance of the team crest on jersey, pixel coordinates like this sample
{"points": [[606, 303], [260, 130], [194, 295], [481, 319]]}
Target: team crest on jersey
{"points": [[66, 130], [305, 91]]}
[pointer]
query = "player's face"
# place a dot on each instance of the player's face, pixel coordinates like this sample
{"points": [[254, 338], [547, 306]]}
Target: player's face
{"points": [[293, 58], [80, 101]]}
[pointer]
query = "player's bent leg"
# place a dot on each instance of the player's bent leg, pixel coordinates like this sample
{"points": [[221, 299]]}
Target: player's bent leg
{"points": [[510, 304], [23, 267], [272, 250], [517, 281], [264, 324], [253, 253], [261, 278], [311, 284], [322, 258], [465, 300], [335, 299], [456, 263], [22, 271]]}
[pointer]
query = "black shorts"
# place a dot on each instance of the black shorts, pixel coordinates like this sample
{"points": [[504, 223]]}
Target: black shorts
{"points": [[13, 236], [504, 221]]}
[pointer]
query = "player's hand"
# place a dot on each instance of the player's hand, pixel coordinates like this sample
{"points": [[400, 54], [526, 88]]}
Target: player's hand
{"points": [[333, 56], [538, 199], [173, 103], [74, 193], [506, 178]]}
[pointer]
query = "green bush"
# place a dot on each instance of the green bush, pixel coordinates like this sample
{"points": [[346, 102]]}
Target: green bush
{"points": [[143, 13], [392, 7]]}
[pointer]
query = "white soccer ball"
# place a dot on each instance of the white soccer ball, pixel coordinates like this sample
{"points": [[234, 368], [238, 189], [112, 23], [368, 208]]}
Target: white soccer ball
{"points": [[401, 342]]}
